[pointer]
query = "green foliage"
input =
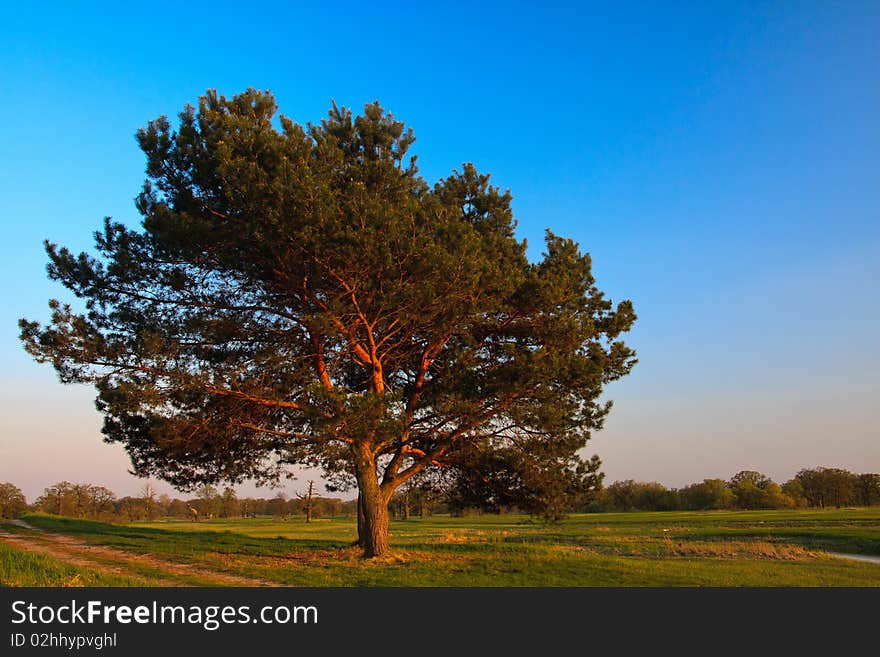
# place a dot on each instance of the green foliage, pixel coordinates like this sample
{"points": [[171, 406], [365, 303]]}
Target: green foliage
{"points": [[753, 490], [745, 490], [522, 476], [828, 486], [867, 489], [708, 495], [748, 478], [12, 500], [629, 495], [208, 501], [277, 506], [622, 495], [748, 490], [78, 500], [300, 295], [795, 491], [230, 506]]}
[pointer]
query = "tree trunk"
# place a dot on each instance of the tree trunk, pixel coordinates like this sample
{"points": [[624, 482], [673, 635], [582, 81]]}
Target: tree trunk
{"points": [[406, 505], [308, 500], [361, 541], [372, 506]]}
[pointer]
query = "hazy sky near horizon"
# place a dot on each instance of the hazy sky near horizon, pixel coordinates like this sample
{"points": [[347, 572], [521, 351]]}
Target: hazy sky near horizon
{"points": [[720, 162]]}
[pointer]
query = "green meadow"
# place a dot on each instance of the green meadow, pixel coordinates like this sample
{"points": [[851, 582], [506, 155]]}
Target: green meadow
{"points": [[22, 568], [716, 548]]}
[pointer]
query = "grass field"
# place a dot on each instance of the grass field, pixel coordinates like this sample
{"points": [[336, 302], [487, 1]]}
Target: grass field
{"points": [[22, 568], [749, 548]]}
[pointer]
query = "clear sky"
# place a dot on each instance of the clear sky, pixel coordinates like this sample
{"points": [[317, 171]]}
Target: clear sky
{"points": [[720, 161]]}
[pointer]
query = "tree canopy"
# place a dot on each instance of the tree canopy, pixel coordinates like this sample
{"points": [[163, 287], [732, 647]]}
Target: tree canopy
{"points": [[12, 501], [301, 295]]}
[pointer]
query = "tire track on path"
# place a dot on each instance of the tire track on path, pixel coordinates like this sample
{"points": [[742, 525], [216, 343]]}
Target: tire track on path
{"points": [[73, 550]]}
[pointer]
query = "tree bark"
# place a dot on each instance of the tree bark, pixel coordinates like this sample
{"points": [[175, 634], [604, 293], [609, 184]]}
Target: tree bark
{"points": [[372, 506], [361, 541]]}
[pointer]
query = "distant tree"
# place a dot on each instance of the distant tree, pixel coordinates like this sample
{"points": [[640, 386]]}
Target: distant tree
{"points": [[327, 507], [747, 496], [867, 489], [307, 499], [710, 494], [621, 495], [230, 506], [12, 500], [81, 500], [77, 500], [258, 506], [654, 496], [150, 502], [427, 497], [813, 486], [349, 507], [401, 503], [828, 486], [178, 509], [303, 296], [773, 497], [131, 509], [841, 485], [752, 477], [101, 502], [163, 503], [250, 507], [425, 491], [631, 495], [277, 506], [794, 489], [57, 499], [748, 487], [207, 501]]}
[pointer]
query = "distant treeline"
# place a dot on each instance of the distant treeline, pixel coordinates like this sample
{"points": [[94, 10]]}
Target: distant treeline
{"points": [[100, 503], [814, 487]]}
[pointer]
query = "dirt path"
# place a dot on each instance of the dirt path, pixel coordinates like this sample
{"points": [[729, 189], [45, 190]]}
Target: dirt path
{"points": [[855, 557], [75, 551]]}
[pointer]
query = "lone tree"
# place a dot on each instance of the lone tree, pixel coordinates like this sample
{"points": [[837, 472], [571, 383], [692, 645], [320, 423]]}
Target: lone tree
{"points": [[300, 295]]}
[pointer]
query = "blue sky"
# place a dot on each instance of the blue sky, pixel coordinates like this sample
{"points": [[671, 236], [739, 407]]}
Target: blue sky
{"points": [[720, 161]]}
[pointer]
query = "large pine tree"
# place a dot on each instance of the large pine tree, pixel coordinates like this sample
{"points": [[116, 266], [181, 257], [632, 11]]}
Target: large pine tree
{"points": [[300, 295]]}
